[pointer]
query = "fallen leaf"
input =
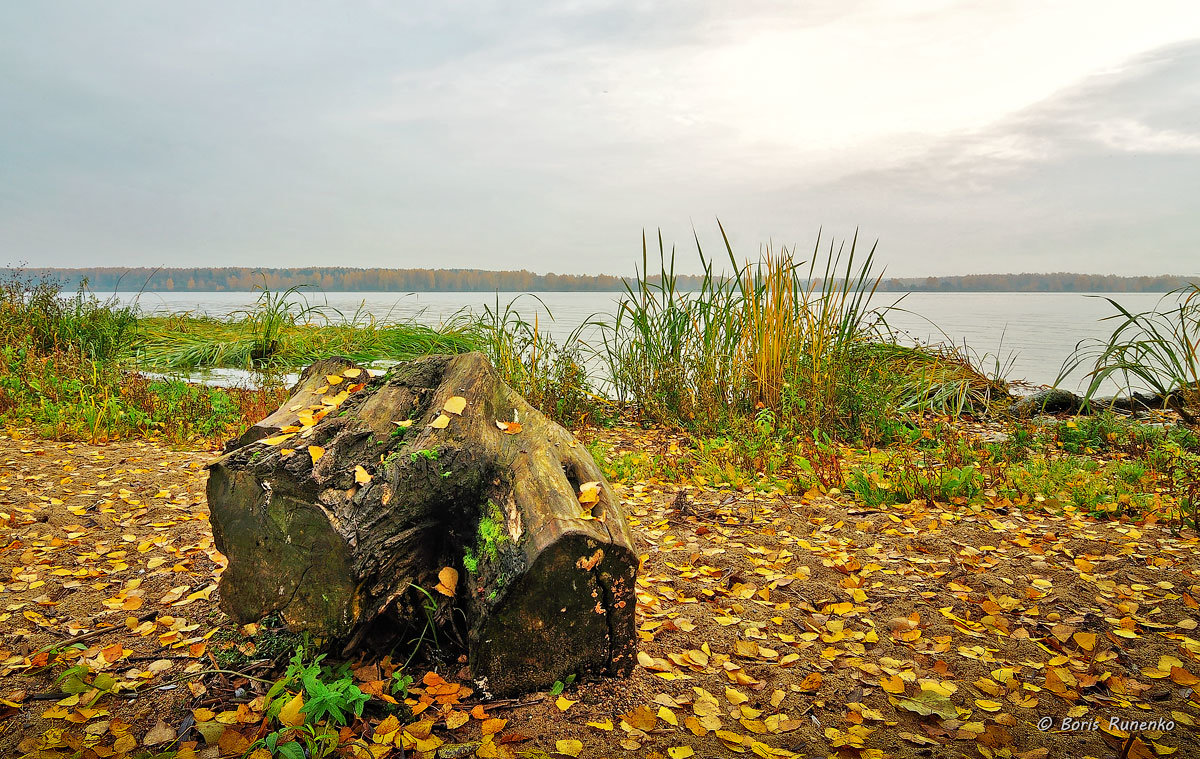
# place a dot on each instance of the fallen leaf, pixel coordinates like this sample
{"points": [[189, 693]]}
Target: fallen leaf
{"points": [[289, 715], [160, 733], [447, 581], [927, 702], [455, 405]]}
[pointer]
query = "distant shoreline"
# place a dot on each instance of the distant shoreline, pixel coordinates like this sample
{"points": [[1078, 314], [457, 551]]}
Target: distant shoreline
{"points": [[342, 279]]}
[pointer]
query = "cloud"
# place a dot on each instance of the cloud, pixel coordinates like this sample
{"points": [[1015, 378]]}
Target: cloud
{"points": [[546, 136]]}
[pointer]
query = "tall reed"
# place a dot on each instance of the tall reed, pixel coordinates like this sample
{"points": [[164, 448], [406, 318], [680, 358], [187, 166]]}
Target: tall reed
{"points": [[1152, 350], [768, 334]]}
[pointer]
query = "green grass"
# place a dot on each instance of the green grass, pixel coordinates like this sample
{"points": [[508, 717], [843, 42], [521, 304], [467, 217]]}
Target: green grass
{"points": [[35, 318], [1154, 350], [281, 333], [65, 373], [551, 376]]}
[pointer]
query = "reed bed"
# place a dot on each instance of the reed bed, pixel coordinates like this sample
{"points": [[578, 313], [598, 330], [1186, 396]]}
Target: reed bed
{"points": [[798, 340]]}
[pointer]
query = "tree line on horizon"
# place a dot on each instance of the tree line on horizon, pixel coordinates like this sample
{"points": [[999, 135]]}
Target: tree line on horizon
{"points": [[346, 279]]}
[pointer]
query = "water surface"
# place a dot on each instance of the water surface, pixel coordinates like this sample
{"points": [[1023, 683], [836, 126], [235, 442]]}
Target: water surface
{"points": [[1030, 333]]}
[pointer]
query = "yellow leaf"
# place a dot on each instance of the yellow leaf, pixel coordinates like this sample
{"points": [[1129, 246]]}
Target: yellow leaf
{"points": [[455, 405], [493, 725], [125, 744], [440, 423], [589, 492], [404, 424], [289, 715], [570, 748], [336, 400], [1086, 641], [735, 697], [333, 379], [352, 372], [668, 716], [892, 684], [456, 719], [988, 706], [605, 724], [361, 476], [447, 581], [316, 452], [563, 703], [285, 452], [680, 752], [275, 440]]}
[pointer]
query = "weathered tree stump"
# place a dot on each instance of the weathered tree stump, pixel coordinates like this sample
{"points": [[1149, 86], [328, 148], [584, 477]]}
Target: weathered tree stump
{"points": [[342, 509]]}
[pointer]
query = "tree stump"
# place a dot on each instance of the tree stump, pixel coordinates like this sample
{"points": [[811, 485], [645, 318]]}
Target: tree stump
{"points": [[342, 510]]}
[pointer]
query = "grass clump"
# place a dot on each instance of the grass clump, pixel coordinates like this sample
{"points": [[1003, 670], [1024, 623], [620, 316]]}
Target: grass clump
{"points": [[799, 338], [551, 376], [65, 373], [1152, 350], [284, 332], [36, 319]]}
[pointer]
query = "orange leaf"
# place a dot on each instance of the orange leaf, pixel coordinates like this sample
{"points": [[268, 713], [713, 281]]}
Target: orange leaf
{"points": [[493, 725], [447, 581]]}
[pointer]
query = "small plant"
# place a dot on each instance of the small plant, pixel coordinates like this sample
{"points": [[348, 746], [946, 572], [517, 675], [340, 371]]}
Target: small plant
{"points": [[309, 702], [552, 376], [561, 685], [401, 683]]}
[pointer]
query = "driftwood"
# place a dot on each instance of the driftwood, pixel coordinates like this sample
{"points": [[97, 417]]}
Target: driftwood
{"points": [[1057, 401], [342, 510]]}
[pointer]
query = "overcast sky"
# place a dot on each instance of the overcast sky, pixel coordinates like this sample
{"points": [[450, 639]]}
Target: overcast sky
{"points": [[966, 137]]}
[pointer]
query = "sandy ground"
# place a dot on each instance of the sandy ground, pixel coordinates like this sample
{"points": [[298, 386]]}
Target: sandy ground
{"points": [[771, 626]]}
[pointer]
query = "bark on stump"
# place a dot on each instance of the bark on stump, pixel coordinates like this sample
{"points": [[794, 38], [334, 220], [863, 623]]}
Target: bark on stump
{"points": [[338, 538]]}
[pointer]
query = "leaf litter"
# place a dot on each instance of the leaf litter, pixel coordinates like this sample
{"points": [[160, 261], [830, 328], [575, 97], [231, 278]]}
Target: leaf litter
{"points": [[770, 625]]}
